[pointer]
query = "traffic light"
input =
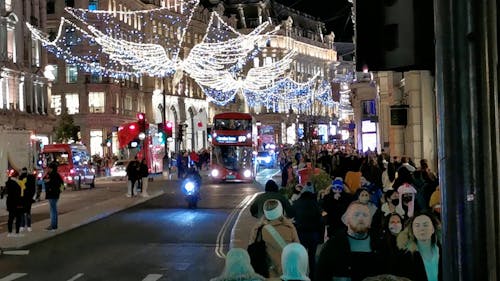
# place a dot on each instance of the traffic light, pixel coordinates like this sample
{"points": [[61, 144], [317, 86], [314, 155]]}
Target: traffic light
{"points": [[168, 129], [161, 133], [180, 132]]}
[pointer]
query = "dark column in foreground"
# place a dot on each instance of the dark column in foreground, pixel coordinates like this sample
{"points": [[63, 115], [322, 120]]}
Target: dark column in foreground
{"points": [[468, 106]]}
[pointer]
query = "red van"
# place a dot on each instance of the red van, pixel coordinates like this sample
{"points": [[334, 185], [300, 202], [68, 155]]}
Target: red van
{"points": [[74, 163]]}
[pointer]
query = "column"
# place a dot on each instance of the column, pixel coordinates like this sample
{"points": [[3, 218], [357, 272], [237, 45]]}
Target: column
{"points": [[469, 151]]}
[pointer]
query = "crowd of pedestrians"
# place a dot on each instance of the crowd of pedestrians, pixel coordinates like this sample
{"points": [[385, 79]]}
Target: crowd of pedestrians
{"points": [[378, 220]]}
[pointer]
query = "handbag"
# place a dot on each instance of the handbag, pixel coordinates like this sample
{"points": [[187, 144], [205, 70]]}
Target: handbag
{"points": [[258, 255]]}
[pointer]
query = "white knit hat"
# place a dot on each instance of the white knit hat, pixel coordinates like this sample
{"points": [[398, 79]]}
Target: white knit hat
{"points": [[276, 212]]}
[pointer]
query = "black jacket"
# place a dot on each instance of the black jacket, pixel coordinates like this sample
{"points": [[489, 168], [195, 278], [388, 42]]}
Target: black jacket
{"points": [[53, 182], [411, 265], [337, 260], [30, 190], [13, 192], [307, 213]]}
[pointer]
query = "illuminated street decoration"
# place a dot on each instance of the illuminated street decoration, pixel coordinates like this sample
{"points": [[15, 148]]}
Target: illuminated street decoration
{"points": [[217, 63]]}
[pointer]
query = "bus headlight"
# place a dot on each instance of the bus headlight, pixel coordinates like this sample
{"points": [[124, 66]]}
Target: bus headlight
{"points": [[247, 173], [215, 173]]}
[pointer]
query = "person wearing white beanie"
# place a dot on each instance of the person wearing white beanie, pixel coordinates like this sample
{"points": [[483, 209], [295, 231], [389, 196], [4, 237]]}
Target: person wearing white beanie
{"points": [[277, 232]]}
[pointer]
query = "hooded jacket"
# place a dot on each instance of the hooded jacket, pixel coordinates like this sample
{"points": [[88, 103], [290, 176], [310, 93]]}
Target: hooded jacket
{"points": [[287, 231], [271, 192]]}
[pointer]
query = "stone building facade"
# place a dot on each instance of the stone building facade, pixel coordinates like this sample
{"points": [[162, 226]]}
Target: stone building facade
{"points": [[413, 91], [24, 91]]}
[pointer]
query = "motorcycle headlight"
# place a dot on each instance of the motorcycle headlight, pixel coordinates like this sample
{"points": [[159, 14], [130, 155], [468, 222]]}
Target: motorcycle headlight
{"points": [[215, 173], [247, 173], [189, 186]]}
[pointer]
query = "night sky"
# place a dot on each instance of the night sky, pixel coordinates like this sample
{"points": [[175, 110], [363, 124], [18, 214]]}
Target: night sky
{"points": [[337, 16]]}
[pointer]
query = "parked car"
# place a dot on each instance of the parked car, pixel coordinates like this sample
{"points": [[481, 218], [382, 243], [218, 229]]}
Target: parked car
{"points": [[265, 159], [119, 168]]}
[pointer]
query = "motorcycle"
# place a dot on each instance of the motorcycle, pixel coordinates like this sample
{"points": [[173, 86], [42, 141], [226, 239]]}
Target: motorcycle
{"points": [[191, 189]]}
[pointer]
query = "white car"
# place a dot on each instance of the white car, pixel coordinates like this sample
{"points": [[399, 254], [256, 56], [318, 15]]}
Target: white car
{"points": [[119, 168]]}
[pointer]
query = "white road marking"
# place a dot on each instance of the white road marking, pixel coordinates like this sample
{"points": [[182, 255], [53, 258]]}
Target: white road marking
{"points": [[13, 276], [75, 277], [222, 232], [152, 277], [17, 252]]}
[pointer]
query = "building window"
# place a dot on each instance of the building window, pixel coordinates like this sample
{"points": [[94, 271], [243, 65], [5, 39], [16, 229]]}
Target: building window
{"points": [[35, 53], [128, 102], [96, 102], [8, 5], [369, 109], [11, 45], [96, 138], [51, 7], [69, 3], [71, 39], [95, 77], [72, 103], [71, 74], [50, 72], [55, 104], [93, 5]]}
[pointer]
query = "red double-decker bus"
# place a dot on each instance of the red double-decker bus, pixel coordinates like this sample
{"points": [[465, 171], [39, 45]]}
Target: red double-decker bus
{"points": [[233, 141]]}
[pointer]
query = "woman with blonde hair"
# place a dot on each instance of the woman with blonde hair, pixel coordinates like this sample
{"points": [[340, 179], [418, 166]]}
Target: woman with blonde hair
{"points": [[420, 241]]}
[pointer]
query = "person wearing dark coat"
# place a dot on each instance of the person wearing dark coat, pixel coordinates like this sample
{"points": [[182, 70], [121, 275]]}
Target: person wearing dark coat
{"points": [[53, 182], [352, 253], [14, 203], [271, 192], [143, 178], [132, 169], [309, 224], [422, 258], [29, 193], [335, 204]]}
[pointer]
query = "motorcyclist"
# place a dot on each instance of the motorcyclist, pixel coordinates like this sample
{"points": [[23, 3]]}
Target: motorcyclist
{"points": [[192, 175]]}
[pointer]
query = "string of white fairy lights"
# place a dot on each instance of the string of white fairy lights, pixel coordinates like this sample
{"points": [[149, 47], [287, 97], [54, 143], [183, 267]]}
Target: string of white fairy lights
{"points": [[216, 63]]}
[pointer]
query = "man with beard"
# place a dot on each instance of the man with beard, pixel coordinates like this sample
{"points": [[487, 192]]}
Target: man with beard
{"points": [[351, 254]]}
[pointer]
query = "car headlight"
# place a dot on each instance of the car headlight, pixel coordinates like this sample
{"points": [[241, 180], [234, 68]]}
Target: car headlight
{"points": [[247, 173], [215, 173]]}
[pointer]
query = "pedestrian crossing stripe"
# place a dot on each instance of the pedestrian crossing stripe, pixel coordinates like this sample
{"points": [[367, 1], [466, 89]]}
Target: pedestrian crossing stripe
{"points": [[13, 276], [17, 275]]}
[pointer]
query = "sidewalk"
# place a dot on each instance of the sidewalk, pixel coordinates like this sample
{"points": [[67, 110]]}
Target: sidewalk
{"points": [[76, 218]]}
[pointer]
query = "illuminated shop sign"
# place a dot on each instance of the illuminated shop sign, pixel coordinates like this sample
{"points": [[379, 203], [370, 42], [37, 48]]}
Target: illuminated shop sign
{"points": [[231, 139]]}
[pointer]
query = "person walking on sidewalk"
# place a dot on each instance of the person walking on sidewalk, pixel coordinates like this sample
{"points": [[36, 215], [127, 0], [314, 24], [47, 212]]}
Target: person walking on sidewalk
{"points": [[144, 174], [29, 193], [133, 176], [277, 231], [271, 192], [14, 202], [53, 183]]}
